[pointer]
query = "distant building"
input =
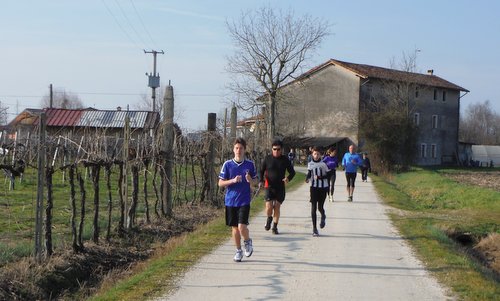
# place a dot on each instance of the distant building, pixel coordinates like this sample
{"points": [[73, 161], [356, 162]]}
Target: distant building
{"points": [[326, 101], [77, 122], [246, 128]]}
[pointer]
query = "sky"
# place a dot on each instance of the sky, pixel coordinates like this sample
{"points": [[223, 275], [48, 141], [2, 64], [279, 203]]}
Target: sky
{"points": [[95, 48]]}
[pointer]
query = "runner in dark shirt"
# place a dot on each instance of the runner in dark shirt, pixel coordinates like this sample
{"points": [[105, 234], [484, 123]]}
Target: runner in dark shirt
{"points": [[273, 176]]}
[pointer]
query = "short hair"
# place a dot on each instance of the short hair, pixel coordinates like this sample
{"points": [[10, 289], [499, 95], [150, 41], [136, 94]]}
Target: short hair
{"points": [[331, 149], [277, 142], [317, 149], [240, 141]]}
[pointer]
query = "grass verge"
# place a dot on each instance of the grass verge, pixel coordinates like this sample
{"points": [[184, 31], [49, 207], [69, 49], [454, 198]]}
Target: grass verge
{"points": [[430, 207], [159, 274]]}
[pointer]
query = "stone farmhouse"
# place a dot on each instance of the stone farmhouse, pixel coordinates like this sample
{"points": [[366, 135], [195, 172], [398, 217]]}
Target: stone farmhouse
{"points": [[324, 104]]}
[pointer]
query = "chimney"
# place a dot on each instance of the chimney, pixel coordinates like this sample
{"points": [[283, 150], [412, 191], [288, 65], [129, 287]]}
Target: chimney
{"points": [[430, 71]]}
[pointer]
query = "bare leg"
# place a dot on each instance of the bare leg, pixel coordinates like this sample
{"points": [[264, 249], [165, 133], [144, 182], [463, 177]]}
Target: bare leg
{"points": [[236, 237], [277, 211], [243, 230], [269, 208]]}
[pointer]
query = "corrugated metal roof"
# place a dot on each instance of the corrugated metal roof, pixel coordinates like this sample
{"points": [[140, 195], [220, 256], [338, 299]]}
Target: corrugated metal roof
{"points": [[96, 118], [62, 117], [113, 119]]}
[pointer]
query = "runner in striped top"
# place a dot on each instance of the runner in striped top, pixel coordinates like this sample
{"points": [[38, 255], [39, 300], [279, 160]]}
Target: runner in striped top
{"points": [[318, 174]]}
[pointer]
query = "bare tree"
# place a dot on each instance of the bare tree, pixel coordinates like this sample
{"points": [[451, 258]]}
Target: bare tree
{"points": [[146, 102], [480, 124], [270, 48], [63, 100], [390, 134]]}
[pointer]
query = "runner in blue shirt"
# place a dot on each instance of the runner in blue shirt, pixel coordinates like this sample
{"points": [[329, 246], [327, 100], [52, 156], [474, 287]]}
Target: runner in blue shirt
{"points": [[237, 176], [350, 163]]}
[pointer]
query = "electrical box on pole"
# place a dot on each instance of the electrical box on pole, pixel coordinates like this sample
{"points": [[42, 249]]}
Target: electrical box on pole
{"points": [[153, 78]]}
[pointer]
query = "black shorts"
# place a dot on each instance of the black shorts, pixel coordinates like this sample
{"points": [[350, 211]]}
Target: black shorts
{"points": [[275, 194], [351, 178], [237, 215], [318, 195]]}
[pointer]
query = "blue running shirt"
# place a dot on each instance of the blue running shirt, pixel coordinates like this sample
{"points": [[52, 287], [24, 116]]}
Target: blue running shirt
{"points": [[237, 194]]}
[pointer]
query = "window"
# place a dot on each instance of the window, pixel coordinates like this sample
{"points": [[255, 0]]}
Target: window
{"points": [[416, 92], [444, 95], [435, 94], [433, 151], [416, 119], [423, 150], [434, 121]]}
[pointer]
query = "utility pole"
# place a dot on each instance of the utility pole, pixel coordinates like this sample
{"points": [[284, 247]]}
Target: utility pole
{"points": [[51, 100], [154, 78]]}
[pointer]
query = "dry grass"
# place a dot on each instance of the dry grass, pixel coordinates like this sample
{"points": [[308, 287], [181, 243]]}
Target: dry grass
{"points": [[489, 250], [487, 179], [70, 275]]}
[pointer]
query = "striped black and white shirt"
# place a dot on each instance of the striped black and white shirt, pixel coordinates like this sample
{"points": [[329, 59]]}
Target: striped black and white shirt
{"points": [[317, 174]]}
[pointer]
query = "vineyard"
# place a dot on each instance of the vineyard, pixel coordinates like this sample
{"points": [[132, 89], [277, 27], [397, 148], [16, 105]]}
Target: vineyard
{"points": [[96, 190]]}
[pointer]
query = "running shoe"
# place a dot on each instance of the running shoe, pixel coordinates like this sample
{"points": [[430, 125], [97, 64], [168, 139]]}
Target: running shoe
{"points": [[238, 256], [268, 223], [315, 233], [248, 248], [323, 222], [349, 199], [275, 230]]}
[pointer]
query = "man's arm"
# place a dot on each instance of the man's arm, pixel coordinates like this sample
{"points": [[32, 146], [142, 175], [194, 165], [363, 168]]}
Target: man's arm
{"points": [[291, 171], [262, 171]]}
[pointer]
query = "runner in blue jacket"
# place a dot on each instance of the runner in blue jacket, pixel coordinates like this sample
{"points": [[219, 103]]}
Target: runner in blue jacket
{"points": [[350, 163]]}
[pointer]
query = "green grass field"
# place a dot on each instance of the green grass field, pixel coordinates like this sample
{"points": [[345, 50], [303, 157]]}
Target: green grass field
{"points": [[17, 209]]}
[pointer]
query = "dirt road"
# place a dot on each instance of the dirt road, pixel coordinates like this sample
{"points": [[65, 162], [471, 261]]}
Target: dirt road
{"points": [[358, 256]]}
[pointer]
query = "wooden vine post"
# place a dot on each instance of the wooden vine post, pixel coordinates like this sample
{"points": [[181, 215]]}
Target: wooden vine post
{"points": [[212, 186], [125, 168], [39, 198], [167, 149]]}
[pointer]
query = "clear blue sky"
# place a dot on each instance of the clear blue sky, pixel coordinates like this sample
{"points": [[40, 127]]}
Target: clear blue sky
{"points": [[94, 48]]}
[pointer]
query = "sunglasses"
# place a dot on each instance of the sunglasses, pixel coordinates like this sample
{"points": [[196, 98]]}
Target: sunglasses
{"points": [[276, 149]]}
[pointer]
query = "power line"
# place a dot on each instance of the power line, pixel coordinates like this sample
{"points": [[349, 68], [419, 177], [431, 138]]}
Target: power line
{"points": [[142, 22], [119, 25], [129, 23]]}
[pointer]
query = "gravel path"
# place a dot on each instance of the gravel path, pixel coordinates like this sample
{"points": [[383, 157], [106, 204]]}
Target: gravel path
{"points": [[358, 256]]}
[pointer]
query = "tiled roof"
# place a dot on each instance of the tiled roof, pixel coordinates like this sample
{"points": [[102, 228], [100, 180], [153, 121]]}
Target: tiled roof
{"points": [[368, 71], [304, 142]]}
